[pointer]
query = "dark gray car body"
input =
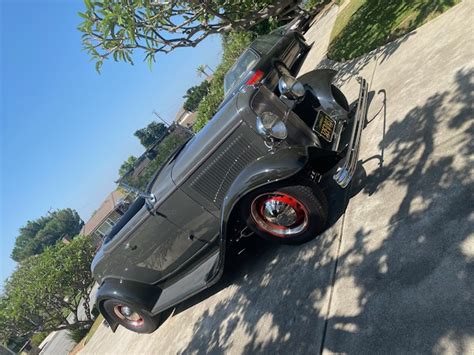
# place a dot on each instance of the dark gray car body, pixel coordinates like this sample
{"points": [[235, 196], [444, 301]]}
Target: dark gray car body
{"points": [[288, 47], [165, 254]]}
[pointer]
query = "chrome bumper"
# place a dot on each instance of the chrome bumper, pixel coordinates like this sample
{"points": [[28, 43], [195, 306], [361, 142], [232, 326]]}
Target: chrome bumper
{"points": [[346, 171]]}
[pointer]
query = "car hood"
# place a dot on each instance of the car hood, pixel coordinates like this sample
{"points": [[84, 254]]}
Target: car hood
{"points": [[206, 141]]}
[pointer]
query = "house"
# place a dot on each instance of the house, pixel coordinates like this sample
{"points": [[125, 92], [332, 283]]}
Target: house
{"points": [[185, 118], [109, 212]]}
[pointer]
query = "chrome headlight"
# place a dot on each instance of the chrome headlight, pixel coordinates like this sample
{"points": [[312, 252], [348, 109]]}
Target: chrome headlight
{"points": [[270, 125], [290, 87]]}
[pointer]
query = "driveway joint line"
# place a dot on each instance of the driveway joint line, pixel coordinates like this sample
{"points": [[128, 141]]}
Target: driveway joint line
{"points": [[334, 272]]}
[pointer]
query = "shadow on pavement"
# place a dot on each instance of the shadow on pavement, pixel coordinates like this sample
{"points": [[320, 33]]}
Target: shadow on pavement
{"points": [[413, 291]]}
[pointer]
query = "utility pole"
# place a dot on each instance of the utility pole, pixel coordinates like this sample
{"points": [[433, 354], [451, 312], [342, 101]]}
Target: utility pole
{"points": [[208, 67], [161, 118]]}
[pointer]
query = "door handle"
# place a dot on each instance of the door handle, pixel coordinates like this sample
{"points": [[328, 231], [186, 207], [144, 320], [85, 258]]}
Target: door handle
{"points": [[130, 247]]}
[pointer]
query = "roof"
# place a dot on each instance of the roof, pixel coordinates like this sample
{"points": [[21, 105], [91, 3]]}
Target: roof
{"points": [[107, 207]]}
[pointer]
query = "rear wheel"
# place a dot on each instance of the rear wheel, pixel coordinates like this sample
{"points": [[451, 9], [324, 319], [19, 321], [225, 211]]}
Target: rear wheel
{"points": [[288, 214], [131, 316]]}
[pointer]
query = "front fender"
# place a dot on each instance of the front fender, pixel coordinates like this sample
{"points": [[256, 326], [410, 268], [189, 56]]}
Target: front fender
{"points": [[319, 82], [135, 293], [277, 166]]}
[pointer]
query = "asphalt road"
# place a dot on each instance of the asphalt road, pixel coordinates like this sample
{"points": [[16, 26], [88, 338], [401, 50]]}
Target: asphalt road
{"points": [[394, 271]]}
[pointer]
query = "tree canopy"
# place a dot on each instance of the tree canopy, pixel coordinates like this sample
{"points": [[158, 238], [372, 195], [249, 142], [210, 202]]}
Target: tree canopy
{"points": [[127, 165], [45, 231], [45, 289], [150, 134], [115, 28], [194, 95]]}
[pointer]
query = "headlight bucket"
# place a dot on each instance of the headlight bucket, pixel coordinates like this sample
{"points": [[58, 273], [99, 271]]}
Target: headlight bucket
{"points": [[270, 126], [291, 88]]}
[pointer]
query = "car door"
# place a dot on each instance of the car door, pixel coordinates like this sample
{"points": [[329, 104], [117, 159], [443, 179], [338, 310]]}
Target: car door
{"points": [[155, 245]]}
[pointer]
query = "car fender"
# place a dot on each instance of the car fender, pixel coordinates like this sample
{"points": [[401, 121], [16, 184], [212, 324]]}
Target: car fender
{"points": [[319, 83], [137, 294], [277, 166]]}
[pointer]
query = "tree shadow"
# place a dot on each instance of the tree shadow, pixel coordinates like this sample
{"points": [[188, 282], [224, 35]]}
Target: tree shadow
{"points": [[416, 288], [409, 281], [349, 70]]}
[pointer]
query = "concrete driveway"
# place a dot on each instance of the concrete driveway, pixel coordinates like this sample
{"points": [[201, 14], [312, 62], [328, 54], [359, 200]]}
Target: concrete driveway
{"points": [[395, 271]]}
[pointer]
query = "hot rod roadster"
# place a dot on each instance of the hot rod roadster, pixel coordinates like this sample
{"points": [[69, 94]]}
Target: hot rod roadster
{"points": [[252, 170]]}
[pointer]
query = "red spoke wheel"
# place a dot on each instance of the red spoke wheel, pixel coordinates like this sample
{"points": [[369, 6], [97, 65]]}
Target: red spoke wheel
{"points": [[130, 316], [289, 214], [279, 214], [125, 313]]}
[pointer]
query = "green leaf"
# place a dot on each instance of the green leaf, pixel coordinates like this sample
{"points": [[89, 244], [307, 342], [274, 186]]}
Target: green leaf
{"points": [[83, 15], [98, 66], [88, 4]]}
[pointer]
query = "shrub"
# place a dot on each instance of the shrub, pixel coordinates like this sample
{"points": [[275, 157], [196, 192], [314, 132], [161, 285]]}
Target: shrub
{"points": [[78, 334], [38, 338]]}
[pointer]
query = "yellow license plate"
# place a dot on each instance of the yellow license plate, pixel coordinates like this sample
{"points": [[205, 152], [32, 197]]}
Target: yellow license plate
{"points": [[324, 126]]}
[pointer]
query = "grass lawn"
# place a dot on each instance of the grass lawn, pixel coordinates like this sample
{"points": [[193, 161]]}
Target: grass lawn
{"points": [[364, 25]]}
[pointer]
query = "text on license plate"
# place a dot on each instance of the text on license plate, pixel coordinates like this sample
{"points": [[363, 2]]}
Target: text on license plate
{"points": [[324, 126]]}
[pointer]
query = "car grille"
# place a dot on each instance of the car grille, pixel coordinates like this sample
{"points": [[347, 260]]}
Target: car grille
{"points": [[215, 178]]}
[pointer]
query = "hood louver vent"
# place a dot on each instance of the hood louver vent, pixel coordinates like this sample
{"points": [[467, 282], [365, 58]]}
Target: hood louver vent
{"points": [[213, 181]]}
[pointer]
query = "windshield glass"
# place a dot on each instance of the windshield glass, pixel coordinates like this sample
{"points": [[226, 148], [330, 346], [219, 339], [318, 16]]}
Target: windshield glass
{"points": [[263, 44], [148, 165], [234, 76]]}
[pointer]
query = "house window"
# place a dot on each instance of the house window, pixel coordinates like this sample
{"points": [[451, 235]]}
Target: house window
{"points": [[104, 228], [110, 222]]}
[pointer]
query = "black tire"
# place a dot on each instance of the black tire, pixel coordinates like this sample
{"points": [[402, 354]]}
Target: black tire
{"points": [[307, 201], [145, 324], [340, 98]]}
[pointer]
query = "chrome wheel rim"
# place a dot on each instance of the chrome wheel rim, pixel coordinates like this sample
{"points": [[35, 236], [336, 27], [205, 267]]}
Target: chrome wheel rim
{"points": [[127, 314], [279, 214]]}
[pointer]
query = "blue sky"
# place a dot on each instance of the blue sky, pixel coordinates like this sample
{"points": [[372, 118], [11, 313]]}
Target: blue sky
{"points": [[65, 130]]}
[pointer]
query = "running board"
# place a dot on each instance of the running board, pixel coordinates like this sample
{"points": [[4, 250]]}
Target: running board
{"points": [[346, 171]]}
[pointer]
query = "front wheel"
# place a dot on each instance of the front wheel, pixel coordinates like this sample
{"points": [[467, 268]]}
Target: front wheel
{"points": [[288, 214], [131, 316]]}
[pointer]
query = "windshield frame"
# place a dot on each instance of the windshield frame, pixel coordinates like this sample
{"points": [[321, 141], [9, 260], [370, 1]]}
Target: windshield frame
{"points": [[243, 74], [170, 159]]}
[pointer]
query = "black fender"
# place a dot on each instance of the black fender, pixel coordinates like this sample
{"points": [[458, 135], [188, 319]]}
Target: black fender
{"points": [[319, 83], [277, 166], [137, 294]]}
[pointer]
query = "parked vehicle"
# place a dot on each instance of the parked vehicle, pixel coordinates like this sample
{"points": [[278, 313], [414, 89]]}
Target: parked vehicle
{"points": [[257, 63], [300, 22], [253, 170]]}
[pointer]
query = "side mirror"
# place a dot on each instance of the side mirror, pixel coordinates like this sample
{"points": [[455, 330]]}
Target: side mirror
{"points": [[150, 199]]}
